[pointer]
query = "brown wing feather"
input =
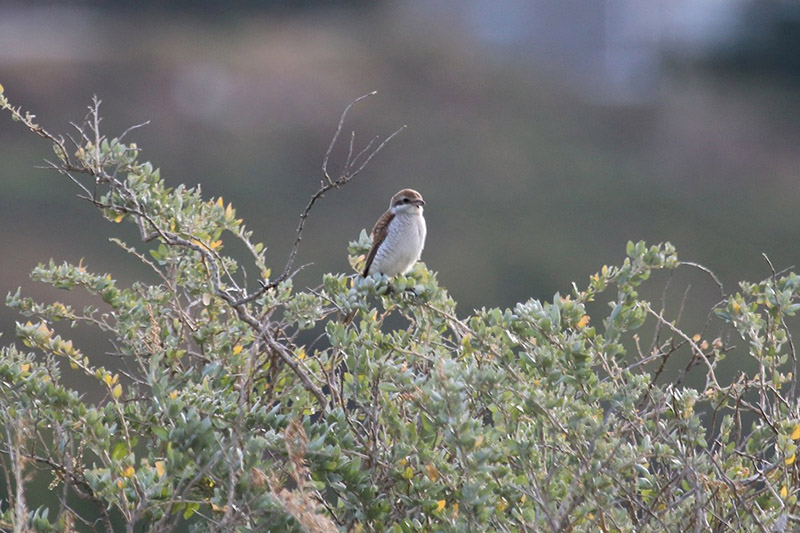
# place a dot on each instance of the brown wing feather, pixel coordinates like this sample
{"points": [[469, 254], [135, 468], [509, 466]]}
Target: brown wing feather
{"points": [[379, 232]]}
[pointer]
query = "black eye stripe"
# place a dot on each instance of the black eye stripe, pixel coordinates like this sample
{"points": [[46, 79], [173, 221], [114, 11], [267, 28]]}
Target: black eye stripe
{"points": [[406, 200]]}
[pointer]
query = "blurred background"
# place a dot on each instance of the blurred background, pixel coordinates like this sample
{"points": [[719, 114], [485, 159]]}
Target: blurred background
{"points": [[543, 134]]}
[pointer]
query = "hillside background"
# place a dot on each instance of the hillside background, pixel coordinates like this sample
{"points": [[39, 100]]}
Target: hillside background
{"points": [[543, 136]]}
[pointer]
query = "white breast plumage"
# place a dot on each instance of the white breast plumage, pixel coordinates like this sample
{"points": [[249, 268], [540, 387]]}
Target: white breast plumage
{"points": [[402, 246]]}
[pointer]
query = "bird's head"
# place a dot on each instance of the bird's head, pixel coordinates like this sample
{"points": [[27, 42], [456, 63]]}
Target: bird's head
{"points": [[407, 201]]}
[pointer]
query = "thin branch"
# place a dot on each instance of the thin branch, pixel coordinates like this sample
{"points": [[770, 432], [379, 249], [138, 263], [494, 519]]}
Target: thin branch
{"points": [[709, 272], [339, 131], [772, 268], [134, 127], [695, 348], [80, 486], [290, 360], [350, 169]]}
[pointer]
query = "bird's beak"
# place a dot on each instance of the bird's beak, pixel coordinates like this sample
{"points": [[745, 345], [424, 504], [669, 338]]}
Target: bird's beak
{"points": [[419, 202]]}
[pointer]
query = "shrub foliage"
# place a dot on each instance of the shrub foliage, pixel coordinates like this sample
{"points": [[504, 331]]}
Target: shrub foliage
{"points": [[244, 403]]}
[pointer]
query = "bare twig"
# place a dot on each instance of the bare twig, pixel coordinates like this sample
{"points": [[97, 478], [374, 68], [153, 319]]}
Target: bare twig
{"points": [[350, 169], [709, 272], [771, 267], [130, 129], [291, 360], [695, 348], [338, 132], [80, 486]]}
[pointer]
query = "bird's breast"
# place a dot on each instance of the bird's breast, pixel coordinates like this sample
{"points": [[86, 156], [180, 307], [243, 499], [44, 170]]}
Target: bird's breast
{"points": [[402, 246]]}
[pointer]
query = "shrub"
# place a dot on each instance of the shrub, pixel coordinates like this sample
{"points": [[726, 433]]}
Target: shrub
{"points": [[257, 407]]}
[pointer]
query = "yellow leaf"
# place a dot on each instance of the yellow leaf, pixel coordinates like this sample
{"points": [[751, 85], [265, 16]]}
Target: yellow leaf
{"points": [[25, 367], [229, 212], [583, 322], [173, 394], [219, 201], [117, 391], [120, 484], [128, 472], [218, 509], [118, 218], [522, 499], [501, 505], [214, 245], [696, 337], [790, 460], [796, 432], [403, 461], [736, 307], [478, 440], [107, 379], [784, 492], [237, 349], [1, 89], [160, 468], [43, 329], [433, 472], [440, 505], [301, 353], [408, 473], [455, 510]]}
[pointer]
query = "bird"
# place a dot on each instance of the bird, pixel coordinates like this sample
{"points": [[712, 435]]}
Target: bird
{"points": [[398, 236]]}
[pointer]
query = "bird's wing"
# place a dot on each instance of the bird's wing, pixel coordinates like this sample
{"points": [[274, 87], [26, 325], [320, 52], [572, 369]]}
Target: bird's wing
{"points": [[379, 233]]}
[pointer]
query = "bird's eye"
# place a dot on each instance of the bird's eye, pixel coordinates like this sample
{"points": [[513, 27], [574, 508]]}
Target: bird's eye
{"points": [[406, 200]]}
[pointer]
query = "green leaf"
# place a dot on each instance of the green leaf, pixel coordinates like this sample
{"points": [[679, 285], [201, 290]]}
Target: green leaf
{"points": [[191, 508], [119, 451]]}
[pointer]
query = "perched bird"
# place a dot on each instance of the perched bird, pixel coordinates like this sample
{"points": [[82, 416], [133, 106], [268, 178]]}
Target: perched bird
{"points": [[398, 236]]}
